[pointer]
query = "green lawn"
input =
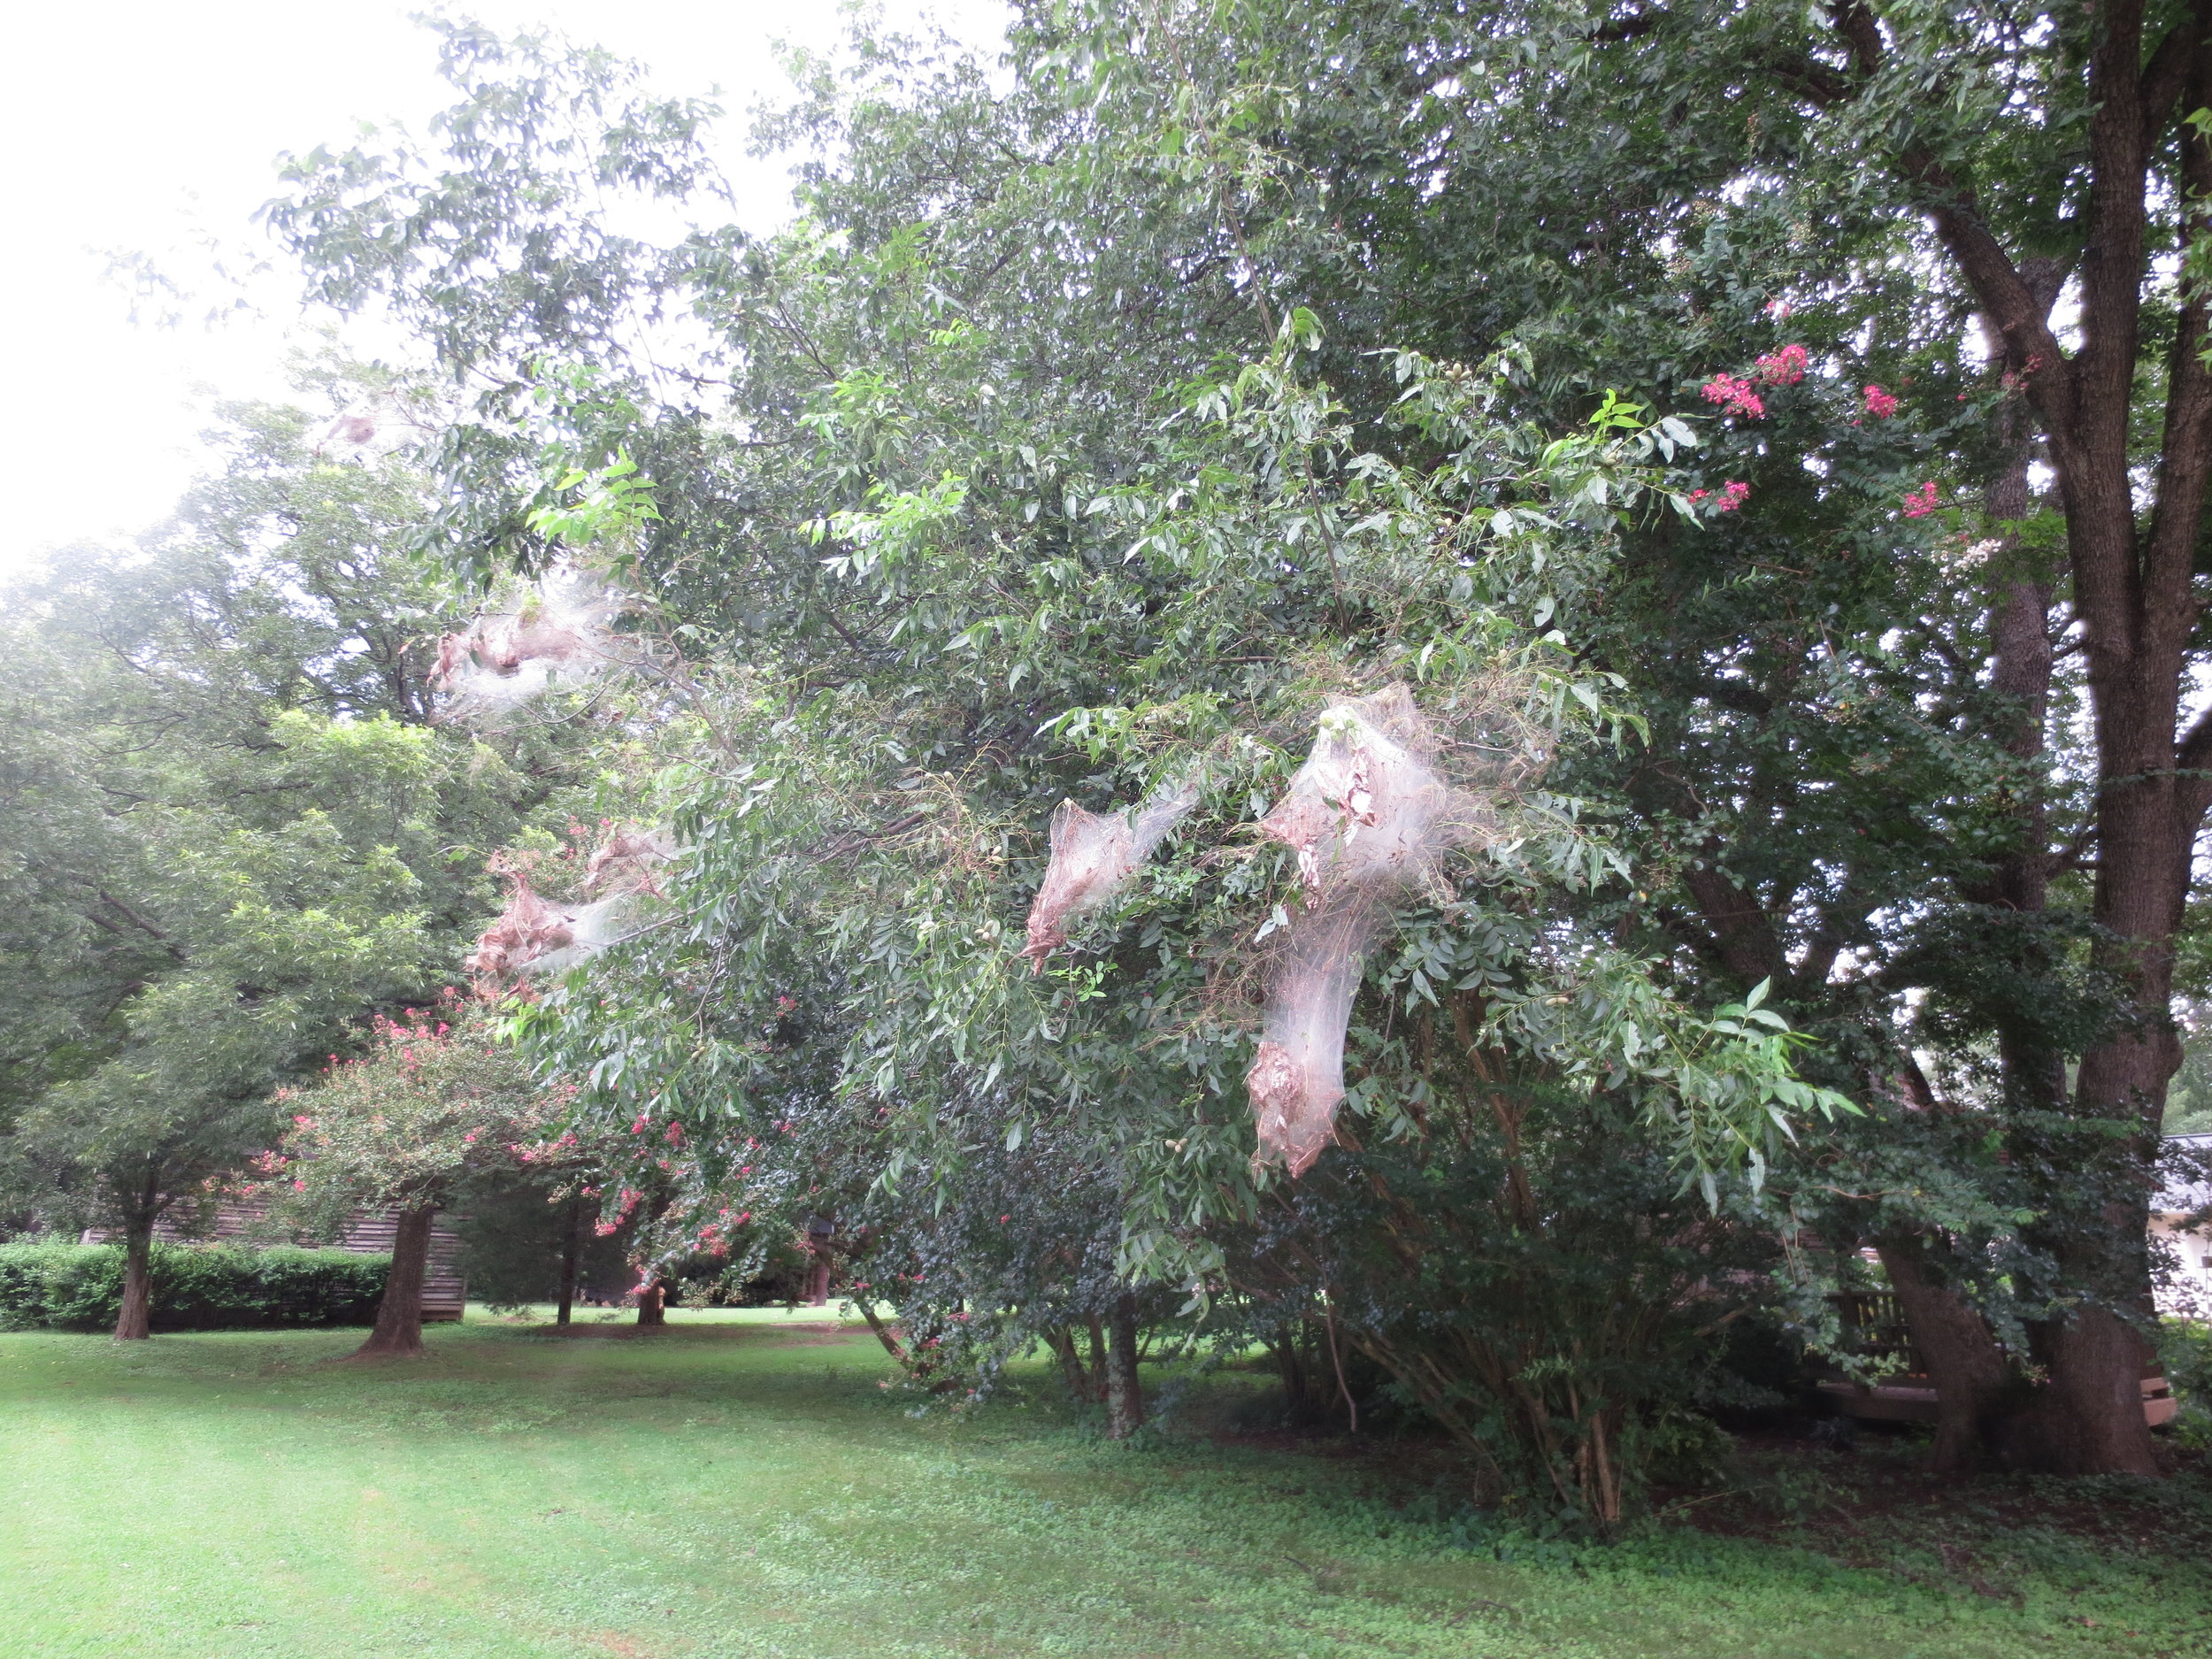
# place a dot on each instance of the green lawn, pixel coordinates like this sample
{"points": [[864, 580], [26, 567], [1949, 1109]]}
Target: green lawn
{"points": [[742, 1486]]}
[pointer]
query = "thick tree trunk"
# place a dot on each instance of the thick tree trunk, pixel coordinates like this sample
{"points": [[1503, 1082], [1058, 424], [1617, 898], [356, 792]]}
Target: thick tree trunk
{"points": [[572, 1248], [133, 1320], [2132, 597], [2088, 1419], [1969, 1370], [1125, 1395], [652, 1303], [398, 1331]]}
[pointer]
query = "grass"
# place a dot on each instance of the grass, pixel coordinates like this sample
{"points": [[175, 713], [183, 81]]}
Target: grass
{"points": [[741, 1486]]}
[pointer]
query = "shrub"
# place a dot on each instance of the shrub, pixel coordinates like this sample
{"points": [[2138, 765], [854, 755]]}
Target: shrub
{"points": [[57, 1285]]}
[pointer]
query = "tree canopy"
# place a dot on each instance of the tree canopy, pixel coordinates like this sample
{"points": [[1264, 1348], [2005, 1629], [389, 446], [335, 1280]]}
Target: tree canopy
{"points": [[1737, 472]]}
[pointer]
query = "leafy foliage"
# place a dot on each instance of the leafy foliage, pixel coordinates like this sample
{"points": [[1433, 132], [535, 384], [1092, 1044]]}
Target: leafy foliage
{"points": [[231, 831], [434, 1103]]}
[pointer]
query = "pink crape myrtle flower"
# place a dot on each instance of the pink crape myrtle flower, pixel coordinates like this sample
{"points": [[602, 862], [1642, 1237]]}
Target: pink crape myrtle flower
{"points": [[1922, 502], [1732, 495], [1737, 397], [1785, 367], [1879, 403]]}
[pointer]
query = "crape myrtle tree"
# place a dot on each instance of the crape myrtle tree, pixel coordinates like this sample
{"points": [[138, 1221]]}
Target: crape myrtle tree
{"points": [[437, 1103], [991, 518], [230, 832]]}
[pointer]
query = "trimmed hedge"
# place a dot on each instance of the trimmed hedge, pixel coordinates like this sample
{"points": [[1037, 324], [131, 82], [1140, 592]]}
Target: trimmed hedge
{"points": [[53, 1284]]}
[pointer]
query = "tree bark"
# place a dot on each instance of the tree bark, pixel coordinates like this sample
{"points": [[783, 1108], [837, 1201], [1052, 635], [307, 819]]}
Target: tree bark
{"points": [[1061, 1340], [572, 1247], [133, 1320], [883, 1332], [1098, 1357], [142, 1207], [397, 1333], [652, 1302], [1967, 1367], [1125, 1395], [2087, 1419]]}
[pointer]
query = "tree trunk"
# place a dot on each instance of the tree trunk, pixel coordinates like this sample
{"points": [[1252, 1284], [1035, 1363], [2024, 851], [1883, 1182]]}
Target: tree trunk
{"points": [[133, 1320], [883, 1332], [398, 1331], [2087, 1419], [1098, 1358], [1291, 1366], [572, 1247], [1061, 1338], [1975, 1382], [1964, 1361], [1125, 1395], [652, 1302], [2133, 595]]}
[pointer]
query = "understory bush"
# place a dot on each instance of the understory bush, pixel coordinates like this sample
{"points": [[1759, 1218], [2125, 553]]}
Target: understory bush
{"points": [[1536, 1281], [55, 1284], [2184, 1346]]}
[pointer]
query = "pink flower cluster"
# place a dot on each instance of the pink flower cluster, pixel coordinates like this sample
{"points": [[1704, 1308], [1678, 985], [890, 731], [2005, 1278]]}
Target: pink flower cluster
{"points": [[1922, 502], [1879, 403], [1733, 494], [1737, 397], [1785, 367]]}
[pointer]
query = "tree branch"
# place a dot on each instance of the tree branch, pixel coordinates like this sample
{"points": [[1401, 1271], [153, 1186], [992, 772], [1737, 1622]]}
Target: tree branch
{"points": [[2168, 72], [2192, 782]]}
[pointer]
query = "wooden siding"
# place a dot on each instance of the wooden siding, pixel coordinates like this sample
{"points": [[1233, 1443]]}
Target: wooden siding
{"points": [[368, 1232]]}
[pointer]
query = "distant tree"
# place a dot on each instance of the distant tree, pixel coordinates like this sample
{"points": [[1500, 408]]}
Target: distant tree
{"points": [[262, 927], [531, 1236], [232, 830]]}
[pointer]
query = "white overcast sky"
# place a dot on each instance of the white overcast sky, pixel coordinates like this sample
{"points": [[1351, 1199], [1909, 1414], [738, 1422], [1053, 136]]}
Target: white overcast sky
{"points": [[152, 127]]}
